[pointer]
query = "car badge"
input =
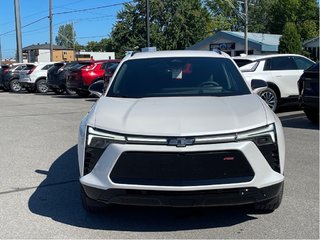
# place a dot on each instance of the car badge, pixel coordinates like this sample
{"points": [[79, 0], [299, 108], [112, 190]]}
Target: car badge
{"points": [[180, 141]]}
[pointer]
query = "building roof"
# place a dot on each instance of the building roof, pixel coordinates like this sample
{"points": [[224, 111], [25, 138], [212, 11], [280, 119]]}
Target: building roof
{"points": [[45, 46], [261, 41], [314, 42]]}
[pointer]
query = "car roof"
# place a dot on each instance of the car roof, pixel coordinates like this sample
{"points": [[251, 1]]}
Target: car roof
{"points": [[176, 53], [261, 57]]}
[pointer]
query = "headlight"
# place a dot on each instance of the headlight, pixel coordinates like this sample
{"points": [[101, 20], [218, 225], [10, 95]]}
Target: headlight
{"points": [[100, 139], [260, 136]]}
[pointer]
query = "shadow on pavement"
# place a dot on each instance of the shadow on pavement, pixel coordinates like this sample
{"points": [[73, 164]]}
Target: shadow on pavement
{"points": [[58, 197], [298, 120]]}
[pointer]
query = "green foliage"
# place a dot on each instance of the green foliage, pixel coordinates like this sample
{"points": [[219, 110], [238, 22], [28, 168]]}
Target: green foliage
{"points": [[290, 41], [260, 12], [225, 15], [303, 13], [66, 36], [173, 25]]}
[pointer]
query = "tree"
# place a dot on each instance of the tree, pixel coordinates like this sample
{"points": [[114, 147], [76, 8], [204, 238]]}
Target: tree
{"points": [[303, 13], [290, 41], [225, 15], [259, 12], [66, 36], [173, 24]]}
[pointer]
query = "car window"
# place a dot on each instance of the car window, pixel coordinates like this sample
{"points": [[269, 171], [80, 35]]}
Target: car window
{"points": [[111, 67], [250, 67], [280, 63], [191, 76], [242, 62], [46, 67], [21, 67], [303, 63]]}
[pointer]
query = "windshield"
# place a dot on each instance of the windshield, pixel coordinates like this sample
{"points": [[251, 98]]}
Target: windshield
{"points": [[183, 76]]}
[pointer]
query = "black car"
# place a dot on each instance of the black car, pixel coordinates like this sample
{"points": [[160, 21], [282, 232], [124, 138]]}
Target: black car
{"points": [[308, 86], [3, 70], [57, 76], [53, 78]]}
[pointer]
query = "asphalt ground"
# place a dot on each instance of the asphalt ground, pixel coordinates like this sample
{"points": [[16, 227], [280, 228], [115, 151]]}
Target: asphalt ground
{"points": [[39, 188]]}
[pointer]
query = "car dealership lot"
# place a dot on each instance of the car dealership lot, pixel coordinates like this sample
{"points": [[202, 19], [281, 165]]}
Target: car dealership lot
{"points": [[39, 189]]}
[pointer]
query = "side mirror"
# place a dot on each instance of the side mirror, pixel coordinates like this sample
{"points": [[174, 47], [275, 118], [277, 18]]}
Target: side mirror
{"points": [[97, 88], [258, 85]]}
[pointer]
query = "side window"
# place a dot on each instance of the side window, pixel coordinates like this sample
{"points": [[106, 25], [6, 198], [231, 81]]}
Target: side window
{"points": [[46, 67], [20, 67], [28, 67], [302, 63], [280, 63]]}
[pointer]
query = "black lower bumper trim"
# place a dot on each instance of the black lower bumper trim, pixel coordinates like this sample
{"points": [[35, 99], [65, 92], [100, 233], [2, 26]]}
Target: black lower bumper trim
{"points": [[222, 197]]}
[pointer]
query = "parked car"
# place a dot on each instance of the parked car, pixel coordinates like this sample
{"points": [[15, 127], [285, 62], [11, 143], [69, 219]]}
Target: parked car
{"points": [[36, 78], [11, 78], [180, 128], [280, 71], [3, 70], [82, 77], [52, 77], [59, 76], [308, 86]]}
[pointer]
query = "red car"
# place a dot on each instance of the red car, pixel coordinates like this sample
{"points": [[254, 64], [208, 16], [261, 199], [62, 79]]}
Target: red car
{"points": [[81, 77]]}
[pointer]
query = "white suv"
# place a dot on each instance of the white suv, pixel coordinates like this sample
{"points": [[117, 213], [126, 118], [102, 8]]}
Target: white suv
{"points": [[36, 78], [280, 71], [180, 128]]}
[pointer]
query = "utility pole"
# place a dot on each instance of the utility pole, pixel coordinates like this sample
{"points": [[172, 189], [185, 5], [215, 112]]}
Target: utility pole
{"points": [[246, 27], [0, 53], [18, 30], [50, 20], [147, 23], [74, 43]]}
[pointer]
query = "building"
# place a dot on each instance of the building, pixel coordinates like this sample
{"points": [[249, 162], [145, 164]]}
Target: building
{"points": [[41, 53], [233, 43], [82, 55], [312, 46]]}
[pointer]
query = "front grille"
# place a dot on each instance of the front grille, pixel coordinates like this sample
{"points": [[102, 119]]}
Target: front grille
{"points": [[181, 169]]}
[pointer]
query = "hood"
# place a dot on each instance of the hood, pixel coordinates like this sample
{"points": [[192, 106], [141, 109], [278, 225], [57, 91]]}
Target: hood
{"points": [[179, 116]]}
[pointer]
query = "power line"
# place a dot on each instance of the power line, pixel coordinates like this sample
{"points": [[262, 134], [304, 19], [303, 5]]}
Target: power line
{"points": [[38, 20], [88, 9]]}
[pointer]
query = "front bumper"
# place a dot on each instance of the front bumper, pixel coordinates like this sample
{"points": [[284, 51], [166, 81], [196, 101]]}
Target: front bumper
{"points": [[223, 197]]}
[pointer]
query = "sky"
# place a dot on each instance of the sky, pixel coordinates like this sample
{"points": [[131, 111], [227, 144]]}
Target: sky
{"points": [[89, 25]]}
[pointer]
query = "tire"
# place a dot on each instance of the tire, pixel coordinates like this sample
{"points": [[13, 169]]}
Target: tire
{"points": [[58, 91], [313, 116], [70, 92], [270, 97], [271, 204], [15, 85], [82, 93], [42, 86], [89, 204]]}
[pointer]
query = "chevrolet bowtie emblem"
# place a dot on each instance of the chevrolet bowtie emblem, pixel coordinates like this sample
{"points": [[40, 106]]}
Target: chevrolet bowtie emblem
{"points": [[180, 141]]}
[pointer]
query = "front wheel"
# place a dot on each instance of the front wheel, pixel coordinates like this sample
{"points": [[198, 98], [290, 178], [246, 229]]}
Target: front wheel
{"points": [[15, 85], [42, 86], [270, 97], [70, 91]]}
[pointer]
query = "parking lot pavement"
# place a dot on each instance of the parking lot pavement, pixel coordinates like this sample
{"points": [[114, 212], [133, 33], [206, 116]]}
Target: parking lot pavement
{"points": [[39, 189]]}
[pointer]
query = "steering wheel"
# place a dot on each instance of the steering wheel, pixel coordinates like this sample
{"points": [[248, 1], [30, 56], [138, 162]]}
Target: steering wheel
{"points": [[210, 83]]}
